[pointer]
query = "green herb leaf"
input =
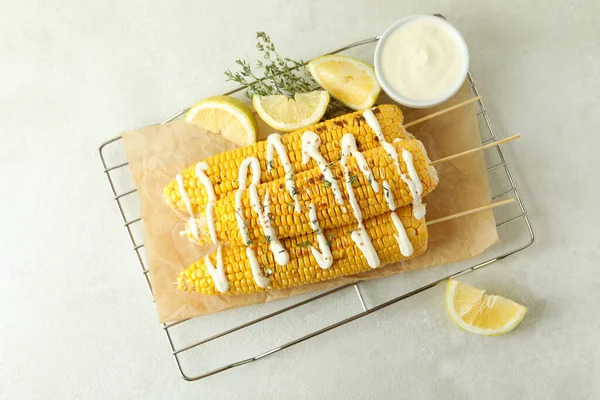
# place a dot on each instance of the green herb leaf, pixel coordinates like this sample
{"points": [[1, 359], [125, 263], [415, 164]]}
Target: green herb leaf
{"points": [[330, 239]]}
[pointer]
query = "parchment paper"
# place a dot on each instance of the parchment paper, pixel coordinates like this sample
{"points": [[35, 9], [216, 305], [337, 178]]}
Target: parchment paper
{"points": [[157, 153]]}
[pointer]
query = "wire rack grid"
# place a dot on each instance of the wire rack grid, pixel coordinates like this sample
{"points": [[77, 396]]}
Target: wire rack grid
{"points": [[499, 166]]}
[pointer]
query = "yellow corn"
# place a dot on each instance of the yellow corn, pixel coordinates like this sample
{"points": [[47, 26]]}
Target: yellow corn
{"points": [[223, 168], [302, 268], [313, 188]]}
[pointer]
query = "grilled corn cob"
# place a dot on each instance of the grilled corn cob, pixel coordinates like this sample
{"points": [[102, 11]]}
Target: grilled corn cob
{"points": [[223, 168], [302, 267], [313, 187]]}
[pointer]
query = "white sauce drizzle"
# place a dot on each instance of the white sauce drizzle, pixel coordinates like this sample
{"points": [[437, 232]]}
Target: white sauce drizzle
{"points": [[253, 163], [349, 149], [188, 205], [324, 257], [261, 280], [389, 197], [374, 124], [406, 247], [310, 149], [412, 172], [393, 154], [360, 236], [349, 146], [363, 241], [210, 219], [218, 273], [414, 183], [274, 143], [280, 255]]}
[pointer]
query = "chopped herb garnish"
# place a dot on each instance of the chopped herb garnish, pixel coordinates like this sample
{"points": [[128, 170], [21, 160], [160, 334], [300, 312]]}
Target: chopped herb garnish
{"points": [[271, 217], [249, 243], [330, 237], [268, 239], [245, 223], [326, 183], [282, 251], [290, 204], [352, 179], [294, 191], [303, 244], [370, 179], [317, 231], [269, 165]]}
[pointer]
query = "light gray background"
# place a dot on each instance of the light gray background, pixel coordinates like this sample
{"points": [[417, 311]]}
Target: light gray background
{"points": [[77, 320]]}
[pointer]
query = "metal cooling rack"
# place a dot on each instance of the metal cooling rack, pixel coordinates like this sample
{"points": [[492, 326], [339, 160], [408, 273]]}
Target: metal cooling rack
{"points": [[514, 229]]}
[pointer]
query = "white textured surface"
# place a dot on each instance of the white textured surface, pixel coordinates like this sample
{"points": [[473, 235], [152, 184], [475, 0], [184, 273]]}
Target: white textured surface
{"points": [[77, 321]]}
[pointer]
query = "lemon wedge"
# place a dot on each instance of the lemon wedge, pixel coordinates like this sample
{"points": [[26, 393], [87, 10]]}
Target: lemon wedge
{"points": [[288, 114], [476, 312], [227, 116], [349, 80]]}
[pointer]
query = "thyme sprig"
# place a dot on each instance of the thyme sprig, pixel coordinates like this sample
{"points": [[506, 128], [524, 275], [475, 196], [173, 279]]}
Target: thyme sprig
{"points": [[277, 75], [280, 75]]}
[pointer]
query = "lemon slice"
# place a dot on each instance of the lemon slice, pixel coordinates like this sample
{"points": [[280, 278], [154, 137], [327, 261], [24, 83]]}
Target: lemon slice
{"points": [[349, 80], [227, 116], [288, 114], [476, 312]]}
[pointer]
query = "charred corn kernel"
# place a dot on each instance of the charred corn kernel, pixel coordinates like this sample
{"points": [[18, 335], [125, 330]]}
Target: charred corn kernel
{"points": [[302, 268], [223, 168], [314, 188]]}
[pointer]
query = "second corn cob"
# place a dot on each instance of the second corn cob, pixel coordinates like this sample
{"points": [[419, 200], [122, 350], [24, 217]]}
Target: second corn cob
{"points": [[313, 187]]}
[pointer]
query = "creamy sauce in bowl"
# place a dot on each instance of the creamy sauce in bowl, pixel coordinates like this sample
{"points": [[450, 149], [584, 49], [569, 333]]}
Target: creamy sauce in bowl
{"points": [[421, 61]]}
